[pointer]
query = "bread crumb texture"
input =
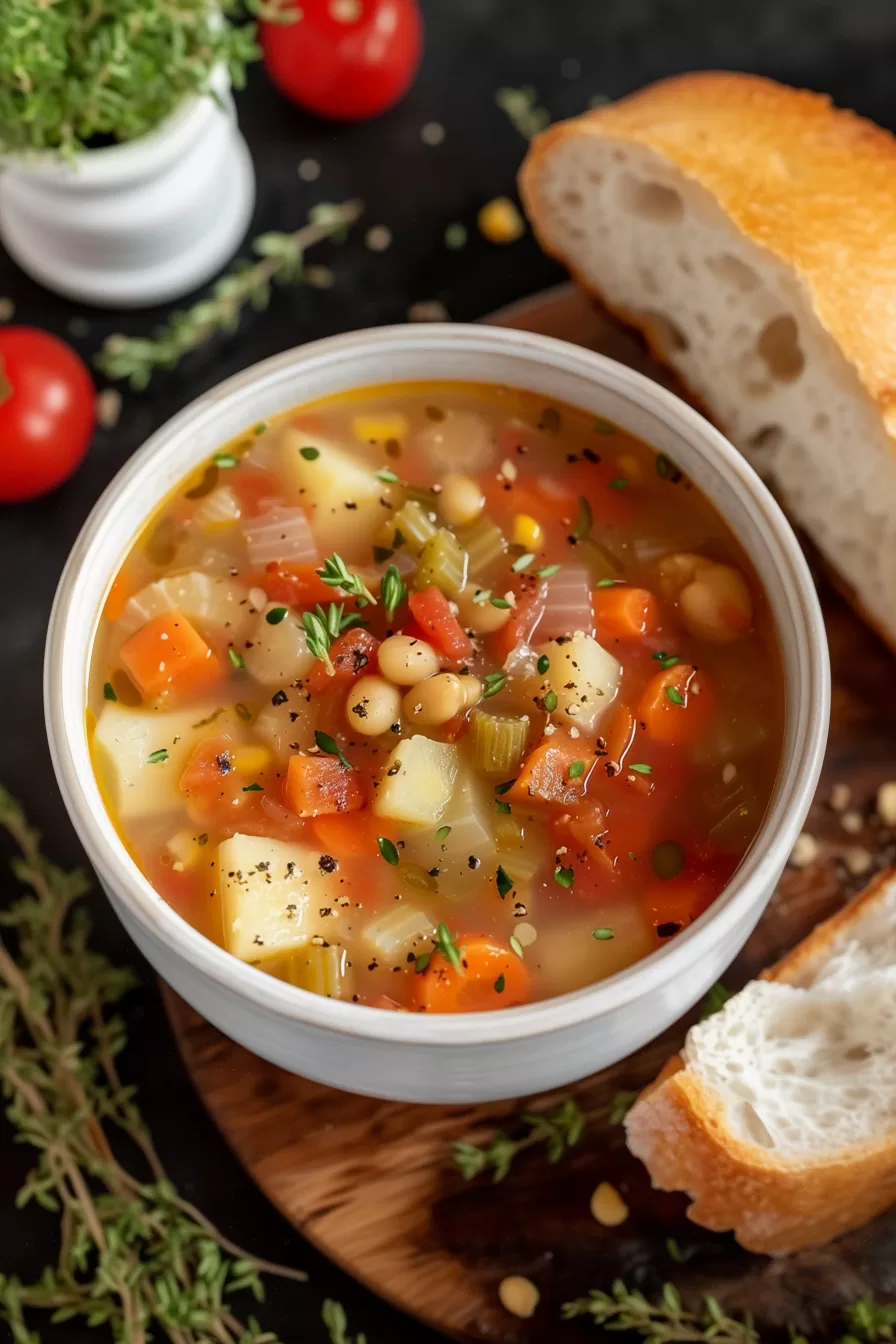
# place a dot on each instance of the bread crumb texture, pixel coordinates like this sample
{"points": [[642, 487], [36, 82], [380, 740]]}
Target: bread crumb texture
{"points": [[749, 229], [779, 1119]]}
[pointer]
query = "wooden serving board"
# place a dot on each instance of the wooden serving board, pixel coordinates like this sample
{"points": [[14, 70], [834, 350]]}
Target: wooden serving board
{"points": [[371, 1183]]}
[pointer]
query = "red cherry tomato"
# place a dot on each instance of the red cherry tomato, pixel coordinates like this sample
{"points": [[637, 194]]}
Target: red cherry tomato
{"points": [[345, 59], [47, 412]]}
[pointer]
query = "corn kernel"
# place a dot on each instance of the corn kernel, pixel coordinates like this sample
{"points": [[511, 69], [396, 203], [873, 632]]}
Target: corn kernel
{"points": [[527, 532], [519, 1296], [607, 1206], [378, 428], [251, 760], [500, 222]]}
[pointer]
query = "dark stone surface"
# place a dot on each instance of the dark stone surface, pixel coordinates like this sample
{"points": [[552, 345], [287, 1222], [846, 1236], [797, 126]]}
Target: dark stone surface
{"points": [[847, 47]]}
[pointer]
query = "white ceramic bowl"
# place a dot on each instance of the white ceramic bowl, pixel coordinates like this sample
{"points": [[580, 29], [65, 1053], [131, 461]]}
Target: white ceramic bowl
{"points": [[473, 1057]]}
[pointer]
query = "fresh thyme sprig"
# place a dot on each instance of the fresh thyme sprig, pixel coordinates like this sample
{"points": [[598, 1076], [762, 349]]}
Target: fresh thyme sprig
{"points": [[522, 109], [336, 574], [664, 1321], [322, 627], [559, 1130], [134, 1256], [281, 258], [393, 591]]}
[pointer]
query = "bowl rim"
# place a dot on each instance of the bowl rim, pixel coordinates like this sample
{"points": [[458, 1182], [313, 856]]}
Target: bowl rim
{"points": [[758, 871]]}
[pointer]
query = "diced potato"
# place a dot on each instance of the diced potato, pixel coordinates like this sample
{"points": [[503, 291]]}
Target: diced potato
{"points": [[342, 497], [272, 894], [128, 744], [321, 970], [287, 726], [218, 510], [470, 814], [212, 602], [276, 654], [582, 675], [523, 846], [417, 781], [185, 849], [398, 932]]}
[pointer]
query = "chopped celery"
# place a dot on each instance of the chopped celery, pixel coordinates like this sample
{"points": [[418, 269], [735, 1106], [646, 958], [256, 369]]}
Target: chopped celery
{"points": [[601, 562], [484, 543], [423, 495], [498, 742], [443, 563], [415, 526], [522, 847], [320, 970], [399, 932]]}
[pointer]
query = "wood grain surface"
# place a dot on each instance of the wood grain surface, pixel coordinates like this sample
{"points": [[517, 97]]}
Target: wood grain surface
{"points": [[372, 1185]]}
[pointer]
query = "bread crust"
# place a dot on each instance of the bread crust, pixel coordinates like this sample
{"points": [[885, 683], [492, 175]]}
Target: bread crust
{"points": [[773, 1205], [828, 211]]}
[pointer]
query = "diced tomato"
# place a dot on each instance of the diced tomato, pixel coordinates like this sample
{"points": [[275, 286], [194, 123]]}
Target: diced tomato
{"points": [[441, 628], [414, 631], [295, 585], [353, 655], [677, 704], [625, 613], [523, 620], [320, 784], [254, 487]]}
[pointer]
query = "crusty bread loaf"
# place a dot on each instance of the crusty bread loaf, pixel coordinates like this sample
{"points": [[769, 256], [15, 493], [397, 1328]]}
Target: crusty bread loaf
{"points": [[779, 1117], [749, 229]]}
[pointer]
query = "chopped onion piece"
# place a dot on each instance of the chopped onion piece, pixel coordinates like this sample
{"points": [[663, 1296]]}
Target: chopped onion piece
{"points": [[567, 604], [219, 509], [280, 534]]}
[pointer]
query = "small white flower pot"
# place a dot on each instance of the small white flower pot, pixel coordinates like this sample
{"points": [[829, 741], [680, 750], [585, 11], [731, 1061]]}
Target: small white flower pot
{"points": [[137, 223]]}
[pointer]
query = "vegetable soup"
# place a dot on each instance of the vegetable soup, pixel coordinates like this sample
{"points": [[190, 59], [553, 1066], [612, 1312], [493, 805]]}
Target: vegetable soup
{"points": [[437, 697]]}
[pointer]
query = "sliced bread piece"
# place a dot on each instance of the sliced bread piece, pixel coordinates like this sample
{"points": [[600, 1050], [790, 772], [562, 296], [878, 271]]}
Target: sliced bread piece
{"points": [[749, 230], [779, 1116]]}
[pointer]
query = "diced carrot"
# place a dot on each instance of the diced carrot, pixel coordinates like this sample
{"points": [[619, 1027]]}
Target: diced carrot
{"points": [[625, 613], [353, 655], [582, 827], [349, 835], [321, 784], [676, 705], [545, 774], [168, 654], [490, 976], [431, 610], [296, 585], [618, 732], [123, 587]]}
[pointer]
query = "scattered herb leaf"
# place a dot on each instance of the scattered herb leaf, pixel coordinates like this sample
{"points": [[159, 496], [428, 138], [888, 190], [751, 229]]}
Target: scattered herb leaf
{"points": [[443, 833], [547, 571], [504, 881], [494, 682], [156, 757], [620, 1105], [543, 664], [275, 615], [335, 573], [252, 788], [716, 998], [447, 946], [499, 984], [236, 659], [577, 770], [607, 583], [505, 787], [584, 519], [393, 591], [387, 850], [502, 806], [522, 562], [564, 877], [421, 962], [619, 483], [516, 946], [674, 695], [500, 602], [666, 659], [331, 747], [310, 454], [604, 426], [109, 691], [550, 701], [225, 460], [390, 477], [602, 935], [640, 768]]}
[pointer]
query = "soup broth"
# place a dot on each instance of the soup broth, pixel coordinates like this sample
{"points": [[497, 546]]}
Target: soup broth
{"points": [[437, 697]]}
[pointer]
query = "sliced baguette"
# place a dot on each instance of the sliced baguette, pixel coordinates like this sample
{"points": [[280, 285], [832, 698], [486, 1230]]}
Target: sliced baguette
{"points": [[779, 1116], [749, 230]]}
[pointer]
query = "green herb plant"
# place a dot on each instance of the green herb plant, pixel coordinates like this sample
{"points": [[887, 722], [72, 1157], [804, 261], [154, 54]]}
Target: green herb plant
{"points": [[247, 284], [134, 1256], [72, 72]]}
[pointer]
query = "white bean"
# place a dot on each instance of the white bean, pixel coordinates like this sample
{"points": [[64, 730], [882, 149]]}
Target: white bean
{"points": [[435, 701], [481, 617], [405, 661], [716, 605], [373, 705], [460, 500], [472, 691]]}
